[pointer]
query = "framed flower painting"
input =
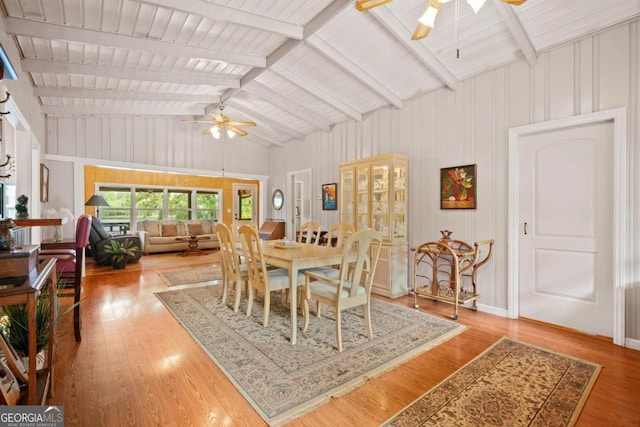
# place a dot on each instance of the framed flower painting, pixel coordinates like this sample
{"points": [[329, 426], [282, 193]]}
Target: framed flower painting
{"points": [[458, 187]]}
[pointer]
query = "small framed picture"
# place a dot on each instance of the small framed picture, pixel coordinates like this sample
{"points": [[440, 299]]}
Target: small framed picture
{"points": [[44, 183], [458, 187], [329, 197]]}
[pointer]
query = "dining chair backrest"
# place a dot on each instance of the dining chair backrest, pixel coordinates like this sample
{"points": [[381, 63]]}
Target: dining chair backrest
{"points": [[235, 226], [309, 233], [252, 253], [83, 230], [230, 263], [366, 244], [340, 232]]}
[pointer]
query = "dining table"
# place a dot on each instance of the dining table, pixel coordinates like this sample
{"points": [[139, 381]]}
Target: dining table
{"points": [[297, 257]]}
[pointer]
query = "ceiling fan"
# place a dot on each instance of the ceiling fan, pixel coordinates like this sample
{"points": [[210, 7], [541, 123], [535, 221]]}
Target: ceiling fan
{"points": [[428, 19], [223, 123]]}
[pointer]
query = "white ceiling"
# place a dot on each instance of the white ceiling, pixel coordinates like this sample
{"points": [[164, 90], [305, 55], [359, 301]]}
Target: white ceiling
{"points": [[292, 66]]}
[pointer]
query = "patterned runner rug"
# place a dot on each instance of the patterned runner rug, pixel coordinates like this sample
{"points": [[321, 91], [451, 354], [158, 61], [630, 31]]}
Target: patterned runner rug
{"points": [[192, 275], [510, 384], [281, 381]]}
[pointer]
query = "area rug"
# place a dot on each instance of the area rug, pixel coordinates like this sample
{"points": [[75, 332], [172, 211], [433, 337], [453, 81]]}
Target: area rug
{"points": [[281, 381], [192, 275], [510, 384]]}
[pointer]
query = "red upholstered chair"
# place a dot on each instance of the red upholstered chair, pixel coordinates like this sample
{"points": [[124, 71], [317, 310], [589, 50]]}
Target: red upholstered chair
{"points": [[69, 266]]}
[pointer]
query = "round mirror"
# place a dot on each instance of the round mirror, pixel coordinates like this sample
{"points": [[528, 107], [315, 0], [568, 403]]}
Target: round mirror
{"points": [[277, 199]]}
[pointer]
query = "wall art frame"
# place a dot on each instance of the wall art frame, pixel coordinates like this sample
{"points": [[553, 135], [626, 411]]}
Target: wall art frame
{"points": [[330, 197], [458, 185]]}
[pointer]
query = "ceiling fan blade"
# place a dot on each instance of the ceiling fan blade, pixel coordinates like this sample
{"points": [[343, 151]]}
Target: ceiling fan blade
{"points": [[218, 118], [363, 5], [234, 123], [237, 130], [421, 32], [514, 2], [427, 21]]}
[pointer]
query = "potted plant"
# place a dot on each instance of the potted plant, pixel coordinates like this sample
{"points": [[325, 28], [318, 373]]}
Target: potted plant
{"points": [[120, 253], [14, 322]]}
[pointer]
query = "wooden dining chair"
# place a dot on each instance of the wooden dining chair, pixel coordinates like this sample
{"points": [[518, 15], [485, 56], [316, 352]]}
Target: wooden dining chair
{"points": [[340, 232], [352, 288], [235, 226], [309, 233], [260, 277], [233, 271], [70, 267]]}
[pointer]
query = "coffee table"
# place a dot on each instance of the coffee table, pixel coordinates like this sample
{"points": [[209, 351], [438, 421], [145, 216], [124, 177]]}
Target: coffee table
{"points": [[193, 245]]}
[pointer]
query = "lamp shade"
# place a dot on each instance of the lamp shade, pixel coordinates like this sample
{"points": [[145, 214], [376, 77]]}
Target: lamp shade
{"points": [[96, 200]]}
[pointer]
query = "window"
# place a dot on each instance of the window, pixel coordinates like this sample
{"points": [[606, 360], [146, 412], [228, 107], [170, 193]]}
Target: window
{"points": [[246, 204], [127, 205], [149, 203], [179, 204], [207, 204], [118, 213]]}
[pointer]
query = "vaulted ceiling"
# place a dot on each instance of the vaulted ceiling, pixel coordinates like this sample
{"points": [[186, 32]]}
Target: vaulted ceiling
{"points": [[292, 66]]}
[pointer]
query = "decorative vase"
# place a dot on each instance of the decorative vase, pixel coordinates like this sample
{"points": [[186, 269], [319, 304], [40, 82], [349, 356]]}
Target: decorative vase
{"points": [[457, 191], [57, 236]]}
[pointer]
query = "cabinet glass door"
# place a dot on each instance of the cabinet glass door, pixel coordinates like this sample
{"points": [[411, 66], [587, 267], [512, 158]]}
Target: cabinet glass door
{"points": [[362, 208], [399, 206], [380, 198], [346, 199]]}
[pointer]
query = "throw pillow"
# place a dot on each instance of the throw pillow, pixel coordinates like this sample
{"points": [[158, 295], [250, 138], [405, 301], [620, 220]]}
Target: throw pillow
{"points": [[169, 230], [195, 229]]}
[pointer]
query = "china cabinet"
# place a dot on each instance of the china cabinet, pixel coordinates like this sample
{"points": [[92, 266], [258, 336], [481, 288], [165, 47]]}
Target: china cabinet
{"points": [[373, 194]]}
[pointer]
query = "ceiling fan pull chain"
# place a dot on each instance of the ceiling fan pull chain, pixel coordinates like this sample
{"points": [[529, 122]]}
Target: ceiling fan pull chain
{"points": [[456, 29]]}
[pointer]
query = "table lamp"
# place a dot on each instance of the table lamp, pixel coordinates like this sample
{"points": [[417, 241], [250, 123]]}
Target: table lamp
{"points": [[97, 201]]}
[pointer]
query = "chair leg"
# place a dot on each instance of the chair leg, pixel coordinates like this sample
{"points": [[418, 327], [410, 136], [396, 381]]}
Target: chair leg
{"points": [[366, 310], [225, 290], [250, 302], [305, 313], [267, 304], [236, 304], [76, 314], [338, 328]]}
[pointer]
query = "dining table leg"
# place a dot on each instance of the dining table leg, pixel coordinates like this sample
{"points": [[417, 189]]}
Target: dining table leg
{"points": [[293, 301]]}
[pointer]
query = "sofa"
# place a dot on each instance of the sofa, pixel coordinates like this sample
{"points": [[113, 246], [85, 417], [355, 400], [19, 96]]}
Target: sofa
{"points": [[160, 235], [99, 238]]}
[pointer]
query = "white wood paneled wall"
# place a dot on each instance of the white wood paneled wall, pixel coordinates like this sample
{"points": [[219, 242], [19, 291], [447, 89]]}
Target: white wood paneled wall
{"points": [[444, 128], [154, 141]]}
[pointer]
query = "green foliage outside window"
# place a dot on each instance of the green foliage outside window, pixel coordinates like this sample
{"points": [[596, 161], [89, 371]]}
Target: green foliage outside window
{"points": [[246, 207], [149, 203]]}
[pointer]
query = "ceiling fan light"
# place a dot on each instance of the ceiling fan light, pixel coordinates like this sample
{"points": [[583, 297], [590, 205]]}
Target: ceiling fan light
{"points": [[476, 5], [215, 132], [429, 17], [230, 133]]}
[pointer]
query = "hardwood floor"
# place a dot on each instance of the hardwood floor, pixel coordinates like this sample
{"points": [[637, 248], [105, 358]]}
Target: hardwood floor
{"points": [[137, 366]]}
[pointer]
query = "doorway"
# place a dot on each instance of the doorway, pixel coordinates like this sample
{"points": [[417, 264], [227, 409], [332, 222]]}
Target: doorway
{"points": [[541, 220], [298, 206], [245, 206]]}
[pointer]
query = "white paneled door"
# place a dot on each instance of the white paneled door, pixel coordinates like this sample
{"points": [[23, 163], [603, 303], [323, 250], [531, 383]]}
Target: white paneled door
{"points": [[566, 220]]}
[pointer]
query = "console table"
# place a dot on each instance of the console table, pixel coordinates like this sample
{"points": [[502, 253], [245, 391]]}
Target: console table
{"points": [[40, 383]]}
